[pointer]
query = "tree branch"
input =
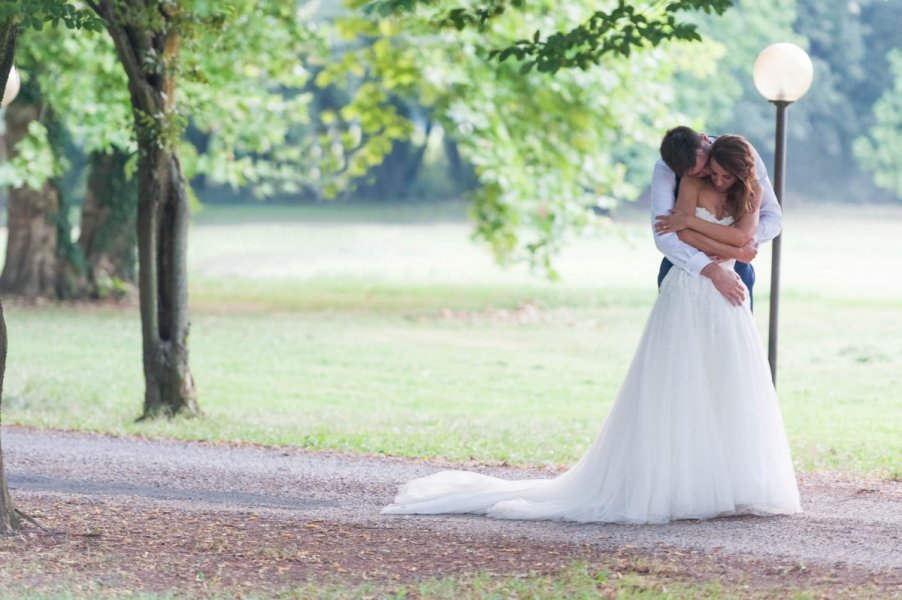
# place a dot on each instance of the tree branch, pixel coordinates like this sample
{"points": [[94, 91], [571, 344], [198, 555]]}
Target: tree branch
{"points": [[125, 43], [618, 31]]}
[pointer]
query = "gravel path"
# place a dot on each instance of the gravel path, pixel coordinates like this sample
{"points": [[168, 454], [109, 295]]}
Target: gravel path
{"points": [[847, 522]]}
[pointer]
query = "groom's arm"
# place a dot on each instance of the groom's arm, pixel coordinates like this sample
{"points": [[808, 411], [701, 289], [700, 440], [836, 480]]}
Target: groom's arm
{"points": [[681, 254], [770, 221]]}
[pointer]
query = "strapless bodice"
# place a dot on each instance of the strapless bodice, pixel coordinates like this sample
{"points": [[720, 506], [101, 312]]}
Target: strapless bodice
{"points": [[703, 213]]}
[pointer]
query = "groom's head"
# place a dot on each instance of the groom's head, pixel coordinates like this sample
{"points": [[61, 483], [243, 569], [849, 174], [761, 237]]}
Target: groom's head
{"points": [[685, 151]]}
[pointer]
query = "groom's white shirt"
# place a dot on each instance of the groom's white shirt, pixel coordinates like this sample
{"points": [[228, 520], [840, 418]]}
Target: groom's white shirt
{"points": [[681, 254]]}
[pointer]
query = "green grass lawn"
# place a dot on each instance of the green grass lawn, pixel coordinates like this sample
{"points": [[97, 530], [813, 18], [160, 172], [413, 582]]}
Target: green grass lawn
{"points": [[386, 330]]}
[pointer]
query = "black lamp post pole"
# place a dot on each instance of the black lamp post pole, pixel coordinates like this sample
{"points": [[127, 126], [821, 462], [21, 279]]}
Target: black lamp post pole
{"points": [[779, 174]]}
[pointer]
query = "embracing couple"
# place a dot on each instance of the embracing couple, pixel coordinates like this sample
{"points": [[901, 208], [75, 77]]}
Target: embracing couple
{"points": [[695, 431]]}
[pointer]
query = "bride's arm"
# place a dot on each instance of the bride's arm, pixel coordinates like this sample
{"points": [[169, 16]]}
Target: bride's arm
{"points": [[712, 247], [708, 245], [688, 197], [737, 234]]}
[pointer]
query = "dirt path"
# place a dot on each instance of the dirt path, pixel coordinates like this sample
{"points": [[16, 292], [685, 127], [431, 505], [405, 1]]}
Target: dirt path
{"points": [[850, 528]]}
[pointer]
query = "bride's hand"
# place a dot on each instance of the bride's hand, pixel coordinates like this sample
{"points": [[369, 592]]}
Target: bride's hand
{"points": [[675, 221]]}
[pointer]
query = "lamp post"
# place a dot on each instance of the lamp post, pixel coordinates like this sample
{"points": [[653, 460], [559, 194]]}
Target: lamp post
{"points": [[782, 73], [12, 88]]}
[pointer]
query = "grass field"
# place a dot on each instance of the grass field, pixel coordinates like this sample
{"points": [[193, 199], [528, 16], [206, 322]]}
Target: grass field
{"points": [[385, 330]]}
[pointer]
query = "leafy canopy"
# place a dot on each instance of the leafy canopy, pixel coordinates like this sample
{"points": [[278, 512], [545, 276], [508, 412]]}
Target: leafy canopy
{"points": [[240, 80], [626, 27], [546, 149], [35, 13]]}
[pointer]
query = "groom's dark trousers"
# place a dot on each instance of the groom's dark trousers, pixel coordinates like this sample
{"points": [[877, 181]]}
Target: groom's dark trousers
{"points": [[745, 271]]}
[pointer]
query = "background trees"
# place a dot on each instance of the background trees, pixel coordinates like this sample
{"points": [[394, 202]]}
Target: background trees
{"points": [[75, 106], [879, 149], [545, 117], [221, 49], [540, 149], [234, 90], [373, 130], [546, 149], [14, 15]]}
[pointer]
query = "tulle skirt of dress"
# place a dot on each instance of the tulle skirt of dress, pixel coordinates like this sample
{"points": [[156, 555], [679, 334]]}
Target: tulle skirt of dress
{"points": [[695, 432]]}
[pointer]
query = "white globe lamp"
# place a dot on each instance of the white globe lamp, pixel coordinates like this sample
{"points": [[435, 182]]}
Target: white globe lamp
{"points": [[13, 83], [783, 72]]}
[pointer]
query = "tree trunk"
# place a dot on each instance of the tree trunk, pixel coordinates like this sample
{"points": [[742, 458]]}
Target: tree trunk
{"points": [[9, 519], [462, 172], [393, 178], [32, 264], [148, 50], [108, 222], [162, 227]]}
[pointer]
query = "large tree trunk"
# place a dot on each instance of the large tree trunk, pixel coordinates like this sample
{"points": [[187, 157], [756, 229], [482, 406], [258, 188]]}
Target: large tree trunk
{"points": [[41, 259], [150, 59], [9, 519], [32, 264], [108, 222]]}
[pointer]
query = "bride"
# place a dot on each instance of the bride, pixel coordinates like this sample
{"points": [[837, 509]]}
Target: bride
{"points": [[695, 431]]}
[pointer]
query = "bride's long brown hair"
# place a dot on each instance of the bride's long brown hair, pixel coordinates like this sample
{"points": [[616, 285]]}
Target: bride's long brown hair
{"points": [[734, 154]]}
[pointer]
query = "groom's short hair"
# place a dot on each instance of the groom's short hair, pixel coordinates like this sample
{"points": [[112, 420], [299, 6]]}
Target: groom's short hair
{"points": [[679, 148]]}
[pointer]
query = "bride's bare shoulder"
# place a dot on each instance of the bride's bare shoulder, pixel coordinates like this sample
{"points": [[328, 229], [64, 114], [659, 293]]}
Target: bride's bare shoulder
{"points": [[700, 185], [695, 182]]}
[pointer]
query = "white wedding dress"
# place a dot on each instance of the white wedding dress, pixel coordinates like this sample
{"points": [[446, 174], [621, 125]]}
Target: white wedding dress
{"points": [[695, 431]]}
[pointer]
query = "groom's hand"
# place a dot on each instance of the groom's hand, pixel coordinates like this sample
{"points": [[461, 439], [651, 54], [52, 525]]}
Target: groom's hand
{"points": [[726, 282], [748, 252]]}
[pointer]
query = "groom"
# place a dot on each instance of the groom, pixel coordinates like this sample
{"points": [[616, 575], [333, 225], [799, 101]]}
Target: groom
{"points": [[684, 152]]}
